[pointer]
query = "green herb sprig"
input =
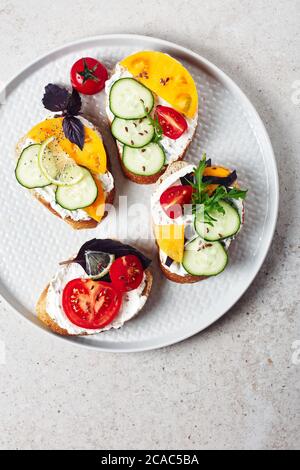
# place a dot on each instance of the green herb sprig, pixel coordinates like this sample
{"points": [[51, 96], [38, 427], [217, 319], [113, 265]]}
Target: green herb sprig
{"points": [[158, 131], [201, 199]]}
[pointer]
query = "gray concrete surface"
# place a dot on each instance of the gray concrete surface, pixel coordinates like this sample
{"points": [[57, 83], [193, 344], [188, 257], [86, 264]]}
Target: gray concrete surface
{"points": [[237, 385]]}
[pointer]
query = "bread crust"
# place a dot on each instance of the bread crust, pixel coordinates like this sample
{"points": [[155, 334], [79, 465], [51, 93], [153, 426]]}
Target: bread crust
{"points": [[186, 279], [44, 317], [75, 224], [140, 179]]}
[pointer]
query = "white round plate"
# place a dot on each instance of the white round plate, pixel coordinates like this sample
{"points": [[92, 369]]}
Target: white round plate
{"points": [[33, 241]]}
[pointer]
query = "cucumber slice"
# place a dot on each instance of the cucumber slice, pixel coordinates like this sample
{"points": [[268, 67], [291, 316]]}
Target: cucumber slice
{"points": [[145, 161], [129, 99], [204, 259], [98, 263], [79, 195], [28, 172], [133, 133], [225, 225]]}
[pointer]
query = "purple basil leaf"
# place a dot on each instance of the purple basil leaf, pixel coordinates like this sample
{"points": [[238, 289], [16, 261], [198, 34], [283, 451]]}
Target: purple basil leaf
{"points": [[74, 103], [55, 98], [112, 247], [74, 130]]}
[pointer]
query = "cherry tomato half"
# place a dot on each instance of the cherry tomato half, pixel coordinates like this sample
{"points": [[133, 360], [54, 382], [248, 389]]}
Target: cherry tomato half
{"points": [[88, 76], [173, 123], [126, 273], [174, 198], [89, 304]]}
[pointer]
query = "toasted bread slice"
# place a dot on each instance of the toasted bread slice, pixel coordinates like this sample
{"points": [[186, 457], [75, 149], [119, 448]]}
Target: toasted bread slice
{"points": [[47, 320], [187, 278], [75, 224], [140, 179]]}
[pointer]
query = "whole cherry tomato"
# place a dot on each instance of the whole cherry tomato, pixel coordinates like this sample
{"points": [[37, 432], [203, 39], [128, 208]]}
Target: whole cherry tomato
{"points": [[88, 76]]}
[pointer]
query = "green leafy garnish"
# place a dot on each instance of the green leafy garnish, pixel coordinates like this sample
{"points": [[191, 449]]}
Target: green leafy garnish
{"points": [[236, 193], [158, 131], [206, 203]]}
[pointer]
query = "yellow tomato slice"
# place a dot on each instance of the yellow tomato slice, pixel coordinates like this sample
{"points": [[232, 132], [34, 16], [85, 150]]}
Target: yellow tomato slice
{"points": [[166, 77], [92, 156], [170, 239], [97, 209]]}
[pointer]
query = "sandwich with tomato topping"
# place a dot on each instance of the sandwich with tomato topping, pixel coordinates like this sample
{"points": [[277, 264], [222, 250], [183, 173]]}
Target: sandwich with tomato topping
{"points": [[197, 212], [104, 286], [63, 162], [152, 106]]}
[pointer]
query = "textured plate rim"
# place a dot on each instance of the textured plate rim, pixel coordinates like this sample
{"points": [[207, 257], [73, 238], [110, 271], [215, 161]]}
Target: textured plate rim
{"points": [[273, 210]]}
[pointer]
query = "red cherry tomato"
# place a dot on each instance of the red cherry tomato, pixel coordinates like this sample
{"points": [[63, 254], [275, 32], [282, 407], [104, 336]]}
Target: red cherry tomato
{"points": [[174, 198], [89, 304], [88, 76], [173, 123], [126, 273]]}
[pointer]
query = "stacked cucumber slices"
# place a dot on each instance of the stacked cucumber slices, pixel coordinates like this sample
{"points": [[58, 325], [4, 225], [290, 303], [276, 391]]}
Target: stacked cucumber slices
{"points": [[45, 164], [131, 103], [206, 255]]}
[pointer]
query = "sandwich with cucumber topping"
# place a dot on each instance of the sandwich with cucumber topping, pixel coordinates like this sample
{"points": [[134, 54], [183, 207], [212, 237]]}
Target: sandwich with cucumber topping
{"points": [[63, 162], [197, 213], [152, 106], [103, 287]]}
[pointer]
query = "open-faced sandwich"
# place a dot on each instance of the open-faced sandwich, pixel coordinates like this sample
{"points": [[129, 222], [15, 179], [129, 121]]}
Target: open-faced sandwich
{"points": [[152, 105], [63, 162], [104, 286], [196, 212]]}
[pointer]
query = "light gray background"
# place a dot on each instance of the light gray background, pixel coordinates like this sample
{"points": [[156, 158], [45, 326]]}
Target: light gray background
{"points": [[237, 385]]}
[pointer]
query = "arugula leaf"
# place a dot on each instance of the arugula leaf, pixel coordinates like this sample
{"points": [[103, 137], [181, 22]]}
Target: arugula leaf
{"points": [[199, 175], [206, 203], [236, 193]]}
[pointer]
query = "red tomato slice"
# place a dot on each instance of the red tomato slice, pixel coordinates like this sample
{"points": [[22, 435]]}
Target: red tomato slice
{"points": [[88, 76], [89, 304], [173, 123], [174, 198], [126, 273]]}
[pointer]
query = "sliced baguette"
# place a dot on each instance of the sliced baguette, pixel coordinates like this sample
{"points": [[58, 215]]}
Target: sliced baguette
{"points": [[75, 224], [187, 278], [41, 308], [140, 179]]}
